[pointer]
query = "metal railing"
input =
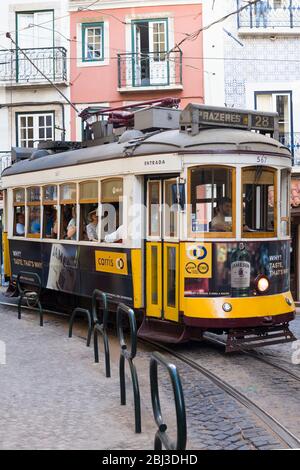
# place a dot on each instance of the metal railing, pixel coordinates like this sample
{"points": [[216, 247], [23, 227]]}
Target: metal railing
{"points": [[161, 436], [270, 14], [149, 69], [29, 287], [128, 355], [292, 141], [16, 68], [5, 158]]}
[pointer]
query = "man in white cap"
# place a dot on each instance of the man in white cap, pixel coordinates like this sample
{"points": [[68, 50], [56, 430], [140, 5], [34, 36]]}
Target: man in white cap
{"points": [[92, 227]]}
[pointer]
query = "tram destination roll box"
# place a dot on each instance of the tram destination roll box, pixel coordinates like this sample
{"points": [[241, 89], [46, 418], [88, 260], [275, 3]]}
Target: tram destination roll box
{"points": [[197, 116]]}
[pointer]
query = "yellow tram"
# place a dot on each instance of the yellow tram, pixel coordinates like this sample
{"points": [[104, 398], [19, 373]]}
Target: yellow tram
{"points": [[189, 225]]}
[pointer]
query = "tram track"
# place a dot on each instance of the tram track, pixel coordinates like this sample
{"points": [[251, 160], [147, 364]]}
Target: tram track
{"points": [[287, 437], [256, 356]]}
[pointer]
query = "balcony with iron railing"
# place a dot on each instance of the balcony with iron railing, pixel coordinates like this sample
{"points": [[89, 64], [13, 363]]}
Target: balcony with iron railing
{"points": [[34, 68], [270, 16], [292, 141], [156, 70]]}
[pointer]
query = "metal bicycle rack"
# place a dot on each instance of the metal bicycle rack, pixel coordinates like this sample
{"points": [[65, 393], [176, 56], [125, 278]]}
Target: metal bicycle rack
{"points": [[89, 319], [129, 355], [101, 328], [31, 296], [161, 436]]}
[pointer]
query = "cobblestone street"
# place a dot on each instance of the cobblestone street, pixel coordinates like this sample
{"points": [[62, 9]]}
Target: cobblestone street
{"points": [[54, 397]]}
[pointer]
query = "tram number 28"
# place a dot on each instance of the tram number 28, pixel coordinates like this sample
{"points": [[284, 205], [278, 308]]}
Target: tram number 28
{"points": [[262, 160]]}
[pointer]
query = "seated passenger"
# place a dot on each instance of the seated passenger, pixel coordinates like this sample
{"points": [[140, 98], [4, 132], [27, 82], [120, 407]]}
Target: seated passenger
{"points": [[71, 228], [35, 224], [51, 222], [218, 223], [20, 223], [92, 227]]}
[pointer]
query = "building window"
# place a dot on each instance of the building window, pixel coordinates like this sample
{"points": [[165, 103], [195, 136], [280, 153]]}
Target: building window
{"points": [[38, 42], [30, 34], [278, 102], [150, 44], [92, 42], [33, 128]]}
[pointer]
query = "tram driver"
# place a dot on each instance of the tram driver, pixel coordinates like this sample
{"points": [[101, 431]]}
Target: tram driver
{"points": [[222, 222]]}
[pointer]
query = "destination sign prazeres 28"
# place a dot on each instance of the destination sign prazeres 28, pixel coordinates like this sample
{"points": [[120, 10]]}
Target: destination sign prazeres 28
{"points": [[195, 116]]}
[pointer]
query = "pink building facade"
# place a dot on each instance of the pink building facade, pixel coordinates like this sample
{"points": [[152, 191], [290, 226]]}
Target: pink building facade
{"points": [[126, 52]]}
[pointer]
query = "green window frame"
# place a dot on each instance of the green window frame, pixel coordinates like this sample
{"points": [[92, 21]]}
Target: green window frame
{"points": [[89, 39]]}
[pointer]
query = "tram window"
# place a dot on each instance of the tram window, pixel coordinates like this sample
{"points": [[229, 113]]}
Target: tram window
{"points": [[19, 195], [259, 200], [19, 212], [33, 194], [50, 220], [19, 221], [170, 210], [112, 210], [68, 192], [68, 226], [68, 219], [285, 192], [88, 199], [211, 200], [154, 208], [34, 211], [50, 193]]}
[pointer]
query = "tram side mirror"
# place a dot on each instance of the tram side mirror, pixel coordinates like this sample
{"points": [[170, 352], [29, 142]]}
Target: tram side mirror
{"points": [[178, 194]]}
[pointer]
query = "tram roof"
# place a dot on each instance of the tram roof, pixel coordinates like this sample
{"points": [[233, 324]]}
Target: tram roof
{"points": [[207, 141]]}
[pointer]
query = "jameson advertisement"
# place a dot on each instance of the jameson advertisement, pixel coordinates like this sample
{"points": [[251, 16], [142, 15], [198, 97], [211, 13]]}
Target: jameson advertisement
{"points": [[235, 266], [75, 269]]}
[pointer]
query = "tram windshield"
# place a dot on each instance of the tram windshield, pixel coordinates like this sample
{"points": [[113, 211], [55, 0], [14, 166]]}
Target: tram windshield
{"points": [[211, 197], [259, 200]]}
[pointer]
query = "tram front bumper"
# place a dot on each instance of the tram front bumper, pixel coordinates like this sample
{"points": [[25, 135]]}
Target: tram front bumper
{"points": [[260, 311]]}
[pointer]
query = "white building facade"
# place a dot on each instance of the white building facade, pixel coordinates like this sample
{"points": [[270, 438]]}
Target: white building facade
{"points": [[252, 60], [32, 63]]}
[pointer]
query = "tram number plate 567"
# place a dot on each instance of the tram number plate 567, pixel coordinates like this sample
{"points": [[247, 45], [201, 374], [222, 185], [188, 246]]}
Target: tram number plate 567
{"points": [[262, 159]]}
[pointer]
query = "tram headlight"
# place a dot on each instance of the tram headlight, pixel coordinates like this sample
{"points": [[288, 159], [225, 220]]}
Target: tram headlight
{"points": [[227, 307], [262, 284]]}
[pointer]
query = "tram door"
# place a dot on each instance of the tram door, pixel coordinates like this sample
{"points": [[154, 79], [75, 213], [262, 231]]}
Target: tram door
{"points": [[162, 251]]}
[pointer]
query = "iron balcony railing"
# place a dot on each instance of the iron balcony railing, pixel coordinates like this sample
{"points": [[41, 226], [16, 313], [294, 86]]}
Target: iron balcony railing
{"points": [[274, 14], [5, 159], [292, 141], [150, 69], [49, 61]]}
